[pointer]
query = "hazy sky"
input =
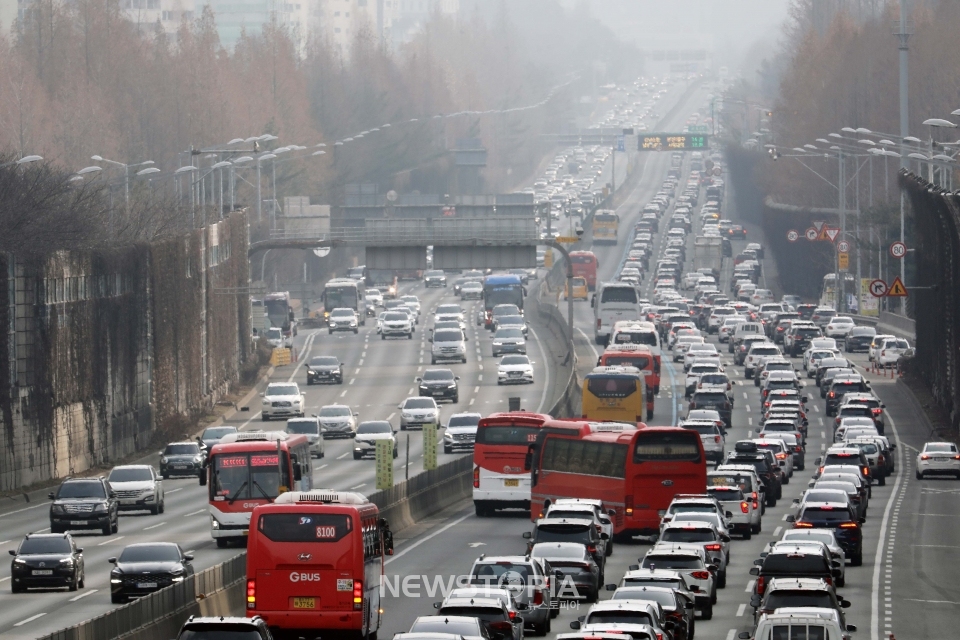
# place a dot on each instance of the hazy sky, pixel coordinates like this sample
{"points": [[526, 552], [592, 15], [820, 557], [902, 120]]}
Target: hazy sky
{"points": [[727, 27]]}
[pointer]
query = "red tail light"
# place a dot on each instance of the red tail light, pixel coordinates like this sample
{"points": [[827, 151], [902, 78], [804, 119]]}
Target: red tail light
{"points": [[877, 411], [924, 457], [700, 575], [628, 505], [251, 594], [781, 456], [761, 585], [716, 439], [832, 394], [756, 505], [358, 594], [476, 477], [880, 459], [537, 599], [849, 525], [592, 548], [956, 457], [744, 506], [803, 525], [866, 471], [513, 614], [712, 547]]}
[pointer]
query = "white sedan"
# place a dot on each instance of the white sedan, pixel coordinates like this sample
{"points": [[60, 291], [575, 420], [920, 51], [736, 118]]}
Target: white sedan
{"points": [[839, 327], [938, 458], [515, 369]]}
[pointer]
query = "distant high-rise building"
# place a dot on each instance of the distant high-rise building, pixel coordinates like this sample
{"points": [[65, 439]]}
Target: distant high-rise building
{"points": [[169, 13]]}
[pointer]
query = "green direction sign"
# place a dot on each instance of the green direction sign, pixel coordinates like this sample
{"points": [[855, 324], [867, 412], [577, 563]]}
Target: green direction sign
{"points": [[429, 447], [699, 128], [671, 141], [384, 464]]}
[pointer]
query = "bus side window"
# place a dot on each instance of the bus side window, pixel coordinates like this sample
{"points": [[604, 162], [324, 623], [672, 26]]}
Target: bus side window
{"points": [[387, 536], [297, 472]]}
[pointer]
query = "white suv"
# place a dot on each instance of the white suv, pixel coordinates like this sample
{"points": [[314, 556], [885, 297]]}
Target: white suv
{"points": [[343, 319], [396, 323], [138, 486], [282, 400]]}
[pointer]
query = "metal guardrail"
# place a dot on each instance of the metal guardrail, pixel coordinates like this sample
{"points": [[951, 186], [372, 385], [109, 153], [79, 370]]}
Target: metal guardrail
{"points": [[160, 604]]}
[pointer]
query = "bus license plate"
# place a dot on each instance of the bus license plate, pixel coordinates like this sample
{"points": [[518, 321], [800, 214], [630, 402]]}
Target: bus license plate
{"points": [[304, 603], [511, 483]]}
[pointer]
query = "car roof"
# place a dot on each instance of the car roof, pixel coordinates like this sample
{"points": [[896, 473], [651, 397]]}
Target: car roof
{"points": [[496, 559], [474, 601], [639, 603], [555, 521]]}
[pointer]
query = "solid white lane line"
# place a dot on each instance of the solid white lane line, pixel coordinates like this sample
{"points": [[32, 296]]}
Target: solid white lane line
{"points": [[154, 526], [166, 493], [362, 484], [596, 355], [426, 538], [111, 540], [196, 513], [341, 457], [84, 595], [875, 589], [4, 542], [30, 619], [543, 360], [36, 506], [307, 346]]}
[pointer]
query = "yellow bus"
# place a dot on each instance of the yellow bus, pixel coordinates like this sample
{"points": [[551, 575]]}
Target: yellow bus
{"points": [[605, 224], [614, 393]]}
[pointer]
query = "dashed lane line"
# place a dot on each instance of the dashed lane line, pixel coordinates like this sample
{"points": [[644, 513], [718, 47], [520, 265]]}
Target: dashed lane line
{"points": [[83, 595]]}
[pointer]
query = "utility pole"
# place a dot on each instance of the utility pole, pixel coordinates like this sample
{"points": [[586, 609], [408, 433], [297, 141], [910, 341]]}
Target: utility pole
{"points": [[903, 34], [841, 282]]}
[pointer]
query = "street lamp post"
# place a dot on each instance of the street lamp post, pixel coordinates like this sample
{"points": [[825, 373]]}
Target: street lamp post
{"points": [[126, 174]]}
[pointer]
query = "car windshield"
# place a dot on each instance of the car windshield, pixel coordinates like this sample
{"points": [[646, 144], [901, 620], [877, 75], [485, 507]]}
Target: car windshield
{"points": [[215, 433], [447, 336], [510, 320], [324, 361], [825, 515], [672, 562], [274, 334], [620, 616], [485, 614], [508, 332], [665, 598], [492, 572], [335, 412], [687, 534], [150, 553], [341, 313], [442, 624], [714, 378], [130, 474], [470, 420], [222, 631], [38, 546], [938, 447], [449, 308], [419, 403], [709, 398], [183, 449], [563, 533], [303, 426], [395, 317], [515, 360], [438, 374], [787, 598], [379, 426], [282, 390]]}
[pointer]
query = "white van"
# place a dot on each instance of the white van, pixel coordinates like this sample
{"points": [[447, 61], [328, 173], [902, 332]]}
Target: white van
{"points": [[613, 301]]}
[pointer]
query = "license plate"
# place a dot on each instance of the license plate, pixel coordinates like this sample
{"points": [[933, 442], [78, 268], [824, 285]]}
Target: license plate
{"points": [[179, 466], [42, 572], [304, 603], [78, 522], [146, 585], [511, 483]]}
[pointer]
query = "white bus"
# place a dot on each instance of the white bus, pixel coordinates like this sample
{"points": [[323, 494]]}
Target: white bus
{"points": [[613, 302]]}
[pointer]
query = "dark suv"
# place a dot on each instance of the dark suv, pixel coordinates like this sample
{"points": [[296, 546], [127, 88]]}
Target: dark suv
{"points": [[84, 503], [324, 369], [218, 628], [719, 401], [579, 530], [798, 338], [788, 561], [440, 384], [766, 466], [837, 516], [841, 386], [46, 560]]}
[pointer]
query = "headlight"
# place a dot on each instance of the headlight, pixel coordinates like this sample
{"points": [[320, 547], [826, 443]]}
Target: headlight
{"points": [[57, 508], [214, 523], [197, 458], [67, 562], [266, 402], [406, 415], [177, 579], [452, 385], [497, 343], [163, 459], [19, 561], [100, 508]]}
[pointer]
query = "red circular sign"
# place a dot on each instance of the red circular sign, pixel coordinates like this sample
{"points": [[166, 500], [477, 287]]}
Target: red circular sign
{"points": [[792, 235], [898, 249]]}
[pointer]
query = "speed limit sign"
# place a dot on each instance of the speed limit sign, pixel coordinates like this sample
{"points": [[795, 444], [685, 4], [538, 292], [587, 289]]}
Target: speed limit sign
{"points": [[898, 249], [792, 235], [843, 246]]}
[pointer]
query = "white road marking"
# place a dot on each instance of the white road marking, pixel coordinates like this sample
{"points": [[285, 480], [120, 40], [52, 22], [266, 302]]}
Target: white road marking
{"points": [[596, 355], [36, 506], [352, 380], [341, 457], [84, 595], [428, 537], [731, 634], [749, 588], [323, 466], [166, 493], [875, 593], [390, 417], [4, 542], [776, 532], [197, 512], [111, 540], [4, 579], [741, 609], [476, 389], [362, 484], [154, 526], [343, 393], [30, 619], [360, 363], [307, 346], [472, 400]]}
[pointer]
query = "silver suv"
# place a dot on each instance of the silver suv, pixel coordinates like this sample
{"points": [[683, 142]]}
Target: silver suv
{"points": [[526, 578], [448, 345], [138, 486]]}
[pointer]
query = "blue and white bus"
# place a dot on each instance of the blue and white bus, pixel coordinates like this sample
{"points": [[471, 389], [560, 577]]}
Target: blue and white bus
{"points": [[501, 289]]}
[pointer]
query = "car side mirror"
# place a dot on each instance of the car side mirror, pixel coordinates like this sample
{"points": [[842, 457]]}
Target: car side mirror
{"points": [[818, 461], [79, 549], [744, 635], [112, 560], [188, 557], [783, 463], [862, 520], [604, 536], [527, 535], [893, 445], [725, 537], [430, 339], [791, 518], [755, 601], [610, 587], [203, 479], [51, 496], [845, 604], [521, 606], [13, 552], [633, 567], [836, 573], [418, 379], [261, 395], [758, 562], [694, 588], [754, 571], [729, 514], [804, 399], [852, 628]]}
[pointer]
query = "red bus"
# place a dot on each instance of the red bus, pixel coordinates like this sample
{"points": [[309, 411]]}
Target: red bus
{"points": [[635, 470], [584, 264], [639, 356], [315, 562], [248, 469], [499, 479]]}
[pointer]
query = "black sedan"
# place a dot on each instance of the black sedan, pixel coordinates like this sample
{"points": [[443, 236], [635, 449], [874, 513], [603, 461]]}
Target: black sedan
{"points": [[440, 384], [146, 567], [859, 339], [47, 560], [324, 369]]}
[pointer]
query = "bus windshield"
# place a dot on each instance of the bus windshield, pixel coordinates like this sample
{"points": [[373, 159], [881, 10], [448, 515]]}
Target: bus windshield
{"points": [[248, 476], [626, 360], [340, 296], [502, 293]]}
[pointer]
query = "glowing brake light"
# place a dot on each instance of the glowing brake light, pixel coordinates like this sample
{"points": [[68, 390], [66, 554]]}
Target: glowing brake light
{"points": [[924, 457], [866, 471], [744, 506], [628, 505], [716, 438], [357, 594], [781, 456], [251, 594], [803, 525], [592, 548], [712, 547], [700, 575], [877, 411]]}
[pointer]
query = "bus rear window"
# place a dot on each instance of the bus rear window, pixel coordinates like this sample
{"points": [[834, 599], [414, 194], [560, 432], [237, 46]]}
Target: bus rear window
{"points": [[589, 458], [581, 259], [679, 446], [636, 337], [304, 527], [640, 362], [507, 434], [611, 387], [619, 294]]}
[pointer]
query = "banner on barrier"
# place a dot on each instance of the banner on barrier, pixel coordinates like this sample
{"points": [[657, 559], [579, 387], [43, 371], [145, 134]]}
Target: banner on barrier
{"points": [[869, 304]]}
